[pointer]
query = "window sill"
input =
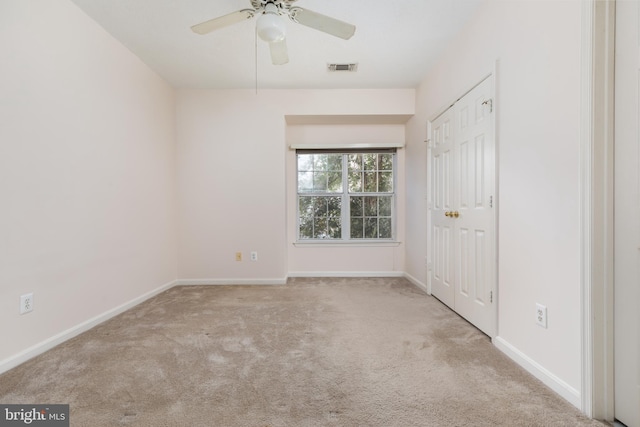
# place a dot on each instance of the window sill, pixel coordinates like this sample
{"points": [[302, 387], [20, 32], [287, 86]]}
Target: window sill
{"points": [[351, 244]]}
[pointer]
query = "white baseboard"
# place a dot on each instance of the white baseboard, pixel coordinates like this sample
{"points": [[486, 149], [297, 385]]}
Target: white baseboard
{"points": [[219, 282], [346, 274], [549, 379], [37, 349], [418, 283]]}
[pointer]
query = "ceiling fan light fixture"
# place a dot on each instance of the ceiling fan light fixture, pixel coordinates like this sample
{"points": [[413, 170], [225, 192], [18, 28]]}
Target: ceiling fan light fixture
{"points": [[271, 28]]}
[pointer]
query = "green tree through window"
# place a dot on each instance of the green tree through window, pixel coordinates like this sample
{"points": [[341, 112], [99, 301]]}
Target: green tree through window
{"points": [[345, 195]]}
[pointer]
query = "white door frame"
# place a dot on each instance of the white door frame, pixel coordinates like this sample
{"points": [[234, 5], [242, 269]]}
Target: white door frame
{"points": [[596, 165], [493, 75]]}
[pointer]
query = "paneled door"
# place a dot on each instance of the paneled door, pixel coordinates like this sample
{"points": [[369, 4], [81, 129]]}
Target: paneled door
{"points": [[442, 172], [462, 197]]}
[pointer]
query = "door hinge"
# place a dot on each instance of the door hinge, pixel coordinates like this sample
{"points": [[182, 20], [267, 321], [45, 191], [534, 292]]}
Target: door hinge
{"points": [[489, 102], [490, 201], [490, 296]]}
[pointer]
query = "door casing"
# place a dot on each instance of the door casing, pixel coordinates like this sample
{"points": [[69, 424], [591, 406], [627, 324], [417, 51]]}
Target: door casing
{"points": [[596, 217]]}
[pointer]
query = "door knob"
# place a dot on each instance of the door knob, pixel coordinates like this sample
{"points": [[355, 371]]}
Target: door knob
{"points": [[447, 213], [455, 214]]}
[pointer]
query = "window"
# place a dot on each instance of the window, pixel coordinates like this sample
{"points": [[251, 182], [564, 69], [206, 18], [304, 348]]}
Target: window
{"points": [[346, 195]]}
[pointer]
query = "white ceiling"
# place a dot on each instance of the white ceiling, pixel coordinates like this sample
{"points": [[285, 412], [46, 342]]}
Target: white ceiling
{"points": [[395, 43]]}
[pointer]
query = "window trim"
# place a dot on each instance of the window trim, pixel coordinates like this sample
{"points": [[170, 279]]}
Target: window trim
{"points": [[357, 146], [359, 243]]}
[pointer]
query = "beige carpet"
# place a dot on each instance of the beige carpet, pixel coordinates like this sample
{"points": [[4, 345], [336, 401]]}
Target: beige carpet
{"points": [[316, 352]]}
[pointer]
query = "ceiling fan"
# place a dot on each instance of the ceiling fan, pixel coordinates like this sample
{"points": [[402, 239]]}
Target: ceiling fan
{"points": [[271, 27]]}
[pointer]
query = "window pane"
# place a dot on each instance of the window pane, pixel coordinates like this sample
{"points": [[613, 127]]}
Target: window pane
{"points": [[355, 162], [305, 181], [320, 172], [320, 228], [335, 162], [356, 207], [319, 181], [355, 182], [334, 207], [306, 228], [335, 228], [320, 162], [305, 206], [370, 162], [320, 217], [319, 207], [385, 182], [357, 225], [305, 162], [384, 206], [335, 182], [385, 228], [306, 214], [385, 162], [370, 182], [371, 217], [371, 228], [327, 162], [370, 206]]}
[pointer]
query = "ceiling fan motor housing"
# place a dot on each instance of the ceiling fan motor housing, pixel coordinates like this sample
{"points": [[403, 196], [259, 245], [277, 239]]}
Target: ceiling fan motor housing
{"points": [[261, 4]]}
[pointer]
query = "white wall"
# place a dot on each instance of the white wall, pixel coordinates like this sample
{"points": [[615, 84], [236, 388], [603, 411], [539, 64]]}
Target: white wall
{"points": [[537, 46], [232, 182], [86, 174], [230, 185]]}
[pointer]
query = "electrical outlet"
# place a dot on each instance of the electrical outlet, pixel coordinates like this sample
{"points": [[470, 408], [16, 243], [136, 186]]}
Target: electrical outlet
{"points": [[26, 303], [254, 256], [238, 256], [541, 315]]}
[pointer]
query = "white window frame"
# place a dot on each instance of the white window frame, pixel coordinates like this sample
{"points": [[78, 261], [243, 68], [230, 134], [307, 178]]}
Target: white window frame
{"points": [[345, 196]]}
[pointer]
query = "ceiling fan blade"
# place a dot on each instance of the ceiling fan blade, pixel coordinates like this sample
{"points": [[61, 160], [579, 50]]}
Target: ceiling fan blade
{"points": [[223, 21], [323, 23], [279, 55]]}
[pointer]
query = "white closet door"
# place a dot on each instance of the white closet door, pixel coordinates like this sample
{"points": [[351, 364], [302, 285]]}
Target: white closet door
{"points": [[474, 223], [442, 193], [462, 218]]}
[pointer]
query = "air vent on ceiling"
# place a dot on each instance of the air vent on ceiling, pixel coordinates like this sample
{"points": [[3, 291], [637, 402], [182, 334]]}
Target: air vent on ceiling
{"points": [[342, 67]]}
